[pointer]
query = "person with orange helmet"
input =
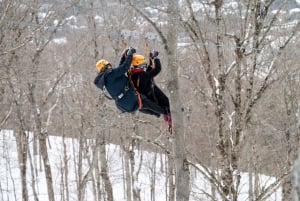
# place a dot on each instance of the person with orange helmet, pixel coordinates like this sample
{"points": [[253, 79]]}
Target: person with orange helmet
{"points": [[115, 82], [142, 76]]}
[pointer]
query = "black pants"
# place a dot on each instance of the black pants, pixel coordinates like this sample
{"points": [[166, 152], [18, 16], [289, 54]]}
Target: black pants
{"points": [[150, 107], [159, 97]]}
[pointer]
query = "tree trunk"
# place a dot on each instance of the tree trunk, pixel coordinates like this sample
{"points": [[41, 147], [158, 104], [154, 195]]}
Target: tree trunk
{"points": [[33, 176], [182, 181], [66, 172], [22, 144], [42, 138], [152, 170], [80, 180], [47, 167], [104, 170], [170, 178], [296, 176], [128, 181]]}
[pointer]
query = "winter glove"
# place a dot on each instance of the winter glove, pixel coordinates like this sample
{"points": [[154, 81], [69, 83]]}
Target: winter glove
{"points": [[154, 54], [131, 51]]}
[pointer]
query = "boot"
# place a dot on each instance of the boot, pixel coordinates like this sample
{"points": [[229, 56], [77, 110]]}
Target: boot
{"points": [[168, 119]]}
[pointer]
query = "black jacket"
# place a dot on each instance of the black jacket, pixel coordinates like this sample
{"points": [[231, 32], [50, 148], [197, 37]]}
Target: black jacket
{"points": [[145, 84]]}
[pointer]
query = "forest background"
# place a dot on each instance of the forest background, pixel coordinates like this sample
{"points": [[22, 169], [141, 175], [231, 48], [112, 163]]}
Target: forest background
{"points": [[230, 69]]}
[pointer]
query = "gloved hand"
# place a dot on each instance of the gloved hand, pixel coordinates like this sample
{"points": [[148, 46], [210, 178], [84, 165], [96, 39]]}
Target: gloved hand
{"points": [[154, 54], [131, 51]]}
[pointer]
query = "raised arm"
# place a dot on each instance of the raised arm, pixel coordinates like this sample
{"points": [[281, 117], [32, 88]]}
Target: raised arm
{"points": [[123, 67], [155, 66]]}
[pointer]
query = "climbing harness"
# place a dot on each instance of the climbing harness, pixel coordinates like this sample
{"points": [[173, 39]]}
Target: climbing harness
{"points": [[118, 97], [129, 73]]}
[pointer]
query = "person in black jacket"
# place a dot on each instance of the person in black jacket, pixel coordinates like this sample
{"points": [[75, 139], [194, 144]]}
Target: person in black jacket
{"points": [[142, 76], [116, 83]]}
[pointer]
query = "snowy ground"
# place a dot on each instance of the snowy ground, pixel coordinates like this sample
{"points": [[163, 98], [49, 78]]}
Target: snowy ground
{"points": [[10, 186]]}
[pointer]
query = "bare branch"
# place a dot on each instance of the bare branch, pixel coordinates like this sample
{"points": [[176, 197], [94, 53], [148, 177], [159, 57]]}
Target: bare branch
{"points": [[52, 89]]}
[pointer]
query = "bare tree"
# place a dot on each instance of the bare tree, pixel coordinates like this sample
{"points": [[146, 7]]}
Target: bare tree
{"points": [[236, 82], [291, 125], [40, 34], [12, 38], [105, 170]]}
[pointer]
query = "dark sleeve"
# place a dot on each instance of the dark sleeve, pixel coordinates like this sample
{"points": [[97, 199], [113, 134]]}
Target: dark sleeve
{"points": [[121, 69], [152, 72], [123, 58]]}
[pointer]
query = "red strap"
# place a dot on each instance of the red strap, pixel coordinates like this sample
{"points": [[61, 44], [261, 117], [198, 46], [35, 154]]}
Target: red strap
{"points": [[138, 82]]}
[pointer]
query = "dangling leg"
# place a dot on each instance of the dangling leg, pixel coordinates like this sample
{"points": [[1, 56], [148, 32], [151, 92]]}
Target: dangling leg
{"points": [[163, 101], [149, 107]]}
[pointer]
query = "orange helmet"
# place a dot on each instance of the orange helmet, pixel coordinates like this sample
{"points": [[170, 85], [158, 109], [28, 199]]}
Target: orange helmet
{"points": [[101, 65], [138, 60]]}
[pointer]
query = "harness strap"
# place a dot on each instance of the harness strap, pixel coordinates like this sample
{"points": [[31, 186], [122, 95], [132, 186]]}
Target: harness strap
{"points": [[138, 81], [153, 92], [105, 93], [136, 91], [126, 88]]}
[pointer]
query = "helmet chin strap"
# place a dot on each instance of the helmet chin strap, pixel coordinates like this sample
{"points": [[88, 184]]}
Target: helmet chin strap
{"points": [[141, 66]]}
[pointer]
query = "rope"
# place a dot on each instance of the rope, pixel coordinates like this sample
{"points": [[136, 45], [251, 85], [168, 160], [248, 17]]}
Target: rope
{"points": [[146, 48], [123, 43]]}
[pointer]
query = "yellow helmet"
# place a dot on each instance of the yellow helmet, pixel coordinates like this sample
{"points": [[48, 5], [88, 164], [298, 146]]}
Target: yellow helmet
{"points": [[138, 60], [101, 64]]}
